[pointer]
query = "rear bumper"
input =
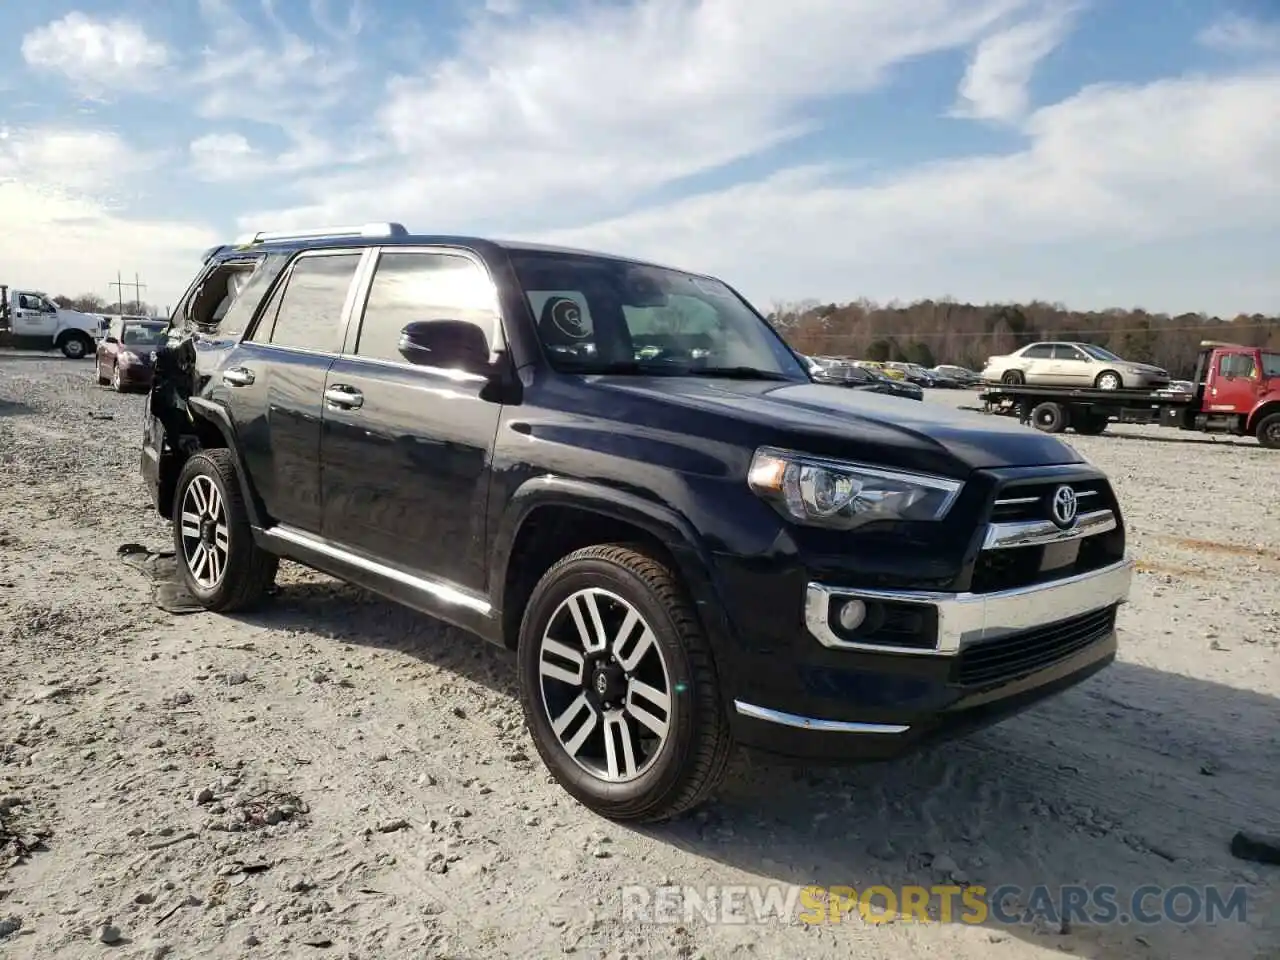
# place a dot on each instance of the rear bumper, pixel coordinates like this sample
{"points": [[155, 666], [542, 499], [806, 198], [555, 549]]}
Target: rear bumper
{"points": [[996, 655]]}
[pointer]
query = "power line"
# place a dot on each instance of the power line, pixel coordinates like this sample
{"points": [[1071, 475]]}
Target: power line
{"points": [[119, 284], [1223, 326]]}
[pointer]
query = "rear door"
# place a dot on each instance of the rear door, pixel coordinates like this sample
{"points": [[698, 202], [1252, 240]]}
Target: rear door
{"points": [[406, 448], [273, 382], [1036, 363]]}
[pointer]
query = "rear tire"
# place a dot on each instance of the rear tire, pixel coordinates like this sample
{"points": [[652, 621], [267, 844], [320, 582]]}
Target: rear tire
{"points": [[618, 750], [222, 567], [1268, 431], [1090, 425], [1049, 417], [1108, 380], [1013, 378]]}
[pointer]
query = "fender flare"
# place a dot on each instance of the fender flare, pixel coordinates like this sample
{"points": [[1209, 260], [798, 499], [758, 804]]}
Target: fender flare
{"points": [[216, 415], [665, 524], [1266, 408]]}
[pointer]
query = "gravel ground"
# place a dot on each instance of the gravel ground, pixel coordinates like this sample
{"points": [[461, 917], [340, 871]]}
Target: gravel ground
{"points": [[338, 776]]}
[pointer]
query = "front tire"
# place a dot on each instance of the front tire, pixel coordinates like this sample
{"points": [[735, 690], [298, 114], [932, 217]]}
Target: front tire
{"points": [[1108, 380], [618, 686], [76, 347], [1268, 431], [116, 383], [224, 570]]}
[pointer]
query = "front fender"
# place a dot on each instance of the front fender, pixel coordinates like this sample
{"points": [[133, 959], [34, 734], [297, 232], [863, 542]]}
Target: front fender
{"points": [[662, 522]]}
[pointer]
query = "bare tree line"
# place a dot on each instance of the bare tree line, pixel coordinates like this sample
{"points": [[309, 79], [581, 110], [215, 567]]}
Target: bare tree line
{"points": [[92, 303], [944, 331]]}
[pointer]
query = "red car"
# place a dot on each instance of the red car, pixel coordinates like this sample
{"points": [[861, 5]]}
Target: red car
{"points": [[124, 354]]}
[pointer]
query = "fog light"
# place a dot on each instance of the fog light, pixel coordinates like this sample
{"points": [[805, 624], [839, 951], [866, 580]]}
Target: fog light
{"points": [[851, 615]]}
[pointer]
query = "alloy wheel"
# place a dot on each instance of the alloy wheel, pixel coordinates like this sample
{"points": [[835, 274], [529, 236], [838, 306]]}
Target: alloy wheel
{"points": [[605, 685], [115, 378], [205, 537]]}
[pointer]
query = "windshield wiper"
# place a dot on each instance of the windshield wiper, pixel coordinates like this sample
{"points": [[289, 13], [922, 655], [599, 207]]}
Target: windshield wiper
{"points": [[737, 373]]}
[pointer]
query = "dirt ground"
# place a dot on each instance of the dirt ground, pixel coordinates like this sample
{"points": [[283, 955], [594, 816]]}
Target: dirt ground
{"points": [[337, 776]]}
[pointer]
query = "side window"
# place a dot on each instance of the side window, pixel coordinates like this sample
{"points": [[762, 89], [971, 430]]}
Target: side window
{"points": [[310, 313], [409, 286], [1039, 351], [1064, 351], [1236, 365]]}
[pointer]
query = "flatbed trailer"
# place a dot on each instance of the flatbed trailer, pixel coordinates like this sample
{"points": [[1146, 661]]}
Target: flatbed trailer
{"points": [[1236, 390]]}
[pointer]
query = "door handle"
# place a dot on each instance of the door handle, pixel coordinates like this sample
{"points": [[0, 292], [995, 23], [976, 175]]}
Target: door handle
{"points": [[340, 395], [237, 377]]}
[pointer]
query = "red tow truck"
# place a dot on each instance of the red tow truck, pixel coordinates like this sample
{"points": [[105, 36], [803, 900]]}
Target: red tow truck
{"points": [[1236, 390]]}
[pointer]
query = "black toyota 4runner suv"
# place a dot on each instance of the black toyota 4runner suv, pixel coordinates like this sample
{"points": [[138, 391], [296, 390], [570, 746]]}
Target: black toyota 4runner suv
{"points": [[621, 472]]}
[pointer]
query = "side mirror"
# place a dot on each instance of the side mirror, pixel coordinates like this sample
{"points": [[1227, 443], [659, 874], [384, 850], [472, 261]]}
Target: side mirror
{"points": [[445, 344]]}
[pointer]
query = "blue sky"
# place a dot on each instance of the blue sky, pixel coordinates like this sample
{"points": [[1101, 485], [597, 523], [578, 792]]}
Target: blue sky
{"points": [[1094, 152]]}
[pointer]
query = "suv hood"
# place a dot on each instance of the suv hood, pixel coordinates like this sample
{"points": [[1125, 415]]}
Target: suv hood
{"points": [[857, 424]]}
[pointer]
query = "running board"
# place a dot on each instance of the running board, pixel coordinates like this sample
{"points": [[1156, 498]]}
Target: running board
{"points": [[287, 541]]}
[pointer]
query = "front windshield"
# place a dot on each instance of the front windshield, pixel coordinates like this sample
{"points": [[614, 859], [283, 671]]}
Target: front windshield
{"points": [[601, 315], [142, 335], [1271, 364], [1098, 353]]}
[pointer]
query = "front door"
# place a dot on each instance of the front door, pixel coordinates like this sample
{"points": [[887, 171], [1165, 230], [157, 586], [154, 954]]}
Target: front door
{"points": [[406, 447], [1069, 367], [273, 382], [33, 316], [1233, 386]]}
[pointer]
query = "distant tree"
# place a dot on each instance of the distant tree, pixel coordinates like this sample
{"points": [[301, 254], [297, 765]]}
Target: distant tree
{"points": [[880, 351]]}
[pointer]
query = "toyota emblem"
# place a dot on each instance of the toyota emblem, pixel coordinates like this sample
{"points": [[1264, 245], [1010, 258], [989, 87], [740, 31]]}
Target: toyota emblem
{"points": [[1064, 507]]}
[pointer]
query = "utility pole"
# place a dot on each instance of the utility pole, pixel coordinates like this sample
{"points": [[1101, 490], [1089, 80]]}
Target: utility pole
{"points": [[120, 284]]}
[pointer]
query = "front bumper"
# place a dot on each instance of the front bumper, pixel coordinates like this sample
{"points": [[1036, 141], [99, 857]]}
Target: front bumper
{"points": [[136, 374], [996, 654]]}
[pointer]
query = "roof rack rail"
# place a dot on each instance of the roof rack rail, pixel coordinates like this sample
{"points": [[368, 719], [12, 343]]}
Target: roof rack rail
{"points": [[377, 229]]}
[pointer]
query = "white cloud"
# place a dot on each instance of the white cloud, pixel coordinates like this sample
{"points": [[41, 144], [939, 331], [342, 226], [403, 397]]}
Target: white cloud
{"points": [[994, 86], [568, 117], [1114, 166], [97, 56], [66, 233], [71, 159], [1239, 34], [229, 157]]}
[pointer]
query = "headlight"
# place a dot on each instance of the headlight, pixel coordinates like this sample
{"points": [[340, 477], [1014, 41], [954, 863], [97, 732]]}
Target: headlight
{"points": [[128, 356], [843, 495]]}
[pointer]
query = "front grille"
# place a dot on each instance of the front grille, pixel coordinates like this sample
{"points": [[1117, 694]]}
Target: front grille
{"points": [[1016, 655], [1031, 501], [1016, 567]]}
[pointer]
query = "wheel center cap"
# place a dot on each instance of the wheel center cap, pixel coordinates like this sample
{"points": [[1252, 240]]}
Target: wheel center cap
{"points": [[609, 683]]}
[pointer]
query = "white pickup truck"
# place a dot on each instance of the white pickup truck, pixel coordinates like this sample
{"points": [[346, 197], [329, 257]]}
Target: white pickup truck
{"points": [[30, 320]]}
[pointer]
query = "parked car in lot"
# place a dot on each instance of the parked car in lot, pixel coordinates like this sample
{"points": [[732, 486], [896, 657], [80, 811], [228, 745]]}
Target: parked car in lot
{"points": [[860, 378], [891, 372], [686, 552], [912, 372], [962, 376], [1072, 365], [124, 354]]}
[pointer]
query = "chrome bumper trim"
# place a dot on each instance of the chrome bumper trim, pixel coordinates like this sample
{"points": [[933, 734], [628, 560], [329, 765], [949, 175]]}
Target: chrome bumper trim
{"points": [[1035, 533], [965, 618], [810, 723]]}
